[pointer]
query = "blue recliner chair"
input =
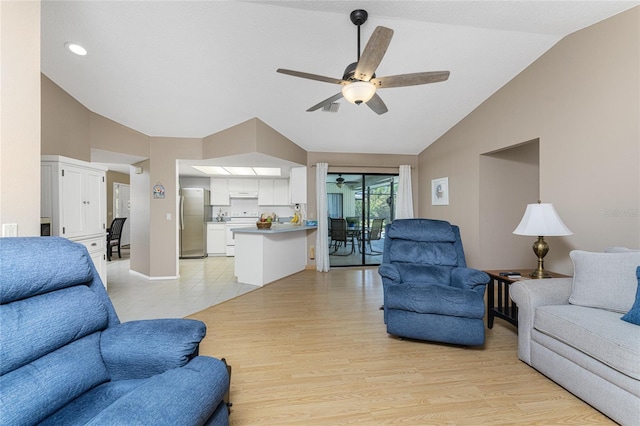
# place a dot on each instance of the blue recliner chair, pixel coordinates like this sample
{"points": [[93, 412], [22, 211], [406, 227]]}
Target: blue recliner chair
{"points": [[65, 358], [429, 293]]}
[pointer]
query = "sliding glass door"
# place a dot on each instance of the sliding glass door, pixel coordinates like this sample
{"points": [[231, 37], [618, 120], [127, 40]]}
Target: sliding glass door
{"points": [[359, 206]]}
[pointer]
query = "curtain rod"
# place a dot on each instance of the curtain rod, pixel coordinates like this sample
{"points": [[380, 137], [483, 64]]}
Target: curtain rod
{"points": [[363, 166]]}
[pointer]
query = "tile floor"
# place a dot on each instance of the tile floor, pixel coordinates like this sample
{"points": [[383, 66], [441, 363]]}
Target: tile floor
{"points": [[202, 283]]}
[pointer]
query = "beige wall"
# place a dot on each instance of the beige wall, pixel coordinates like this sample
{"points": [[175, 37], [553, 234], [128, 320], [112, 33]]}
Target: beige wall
{"points": [[581, 101], [140, 234], [164, 231], [20, 116], [65, 123], [108, 135], [252, 136]]}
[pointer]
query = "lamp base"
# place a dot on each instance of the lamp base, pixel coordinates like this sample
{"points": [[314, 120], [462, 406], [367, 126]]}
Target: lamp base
{"points": [[540, 273], [540, 248]]}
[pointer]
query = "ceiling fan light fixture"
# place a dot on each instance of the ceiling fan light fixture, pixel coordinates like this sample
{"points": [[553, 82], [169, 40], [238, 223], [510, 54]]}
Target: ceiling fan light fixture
{"points": [[358, 92], [339, 181]]}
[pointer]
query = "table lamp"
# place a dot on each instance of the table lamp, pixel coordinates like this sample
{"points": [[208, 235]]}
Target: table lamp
{"points": [[541, 220]]}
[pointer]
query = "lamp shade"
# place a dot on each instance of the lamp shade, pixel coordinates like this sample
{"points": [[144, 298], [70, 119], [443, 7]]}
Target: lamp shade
{"points": [[358, 91], [541, 220]]}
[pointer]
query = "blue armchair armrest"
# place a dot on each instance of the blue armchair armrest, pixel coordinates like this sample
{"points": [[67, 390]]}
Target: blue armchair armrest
{"points": [[141, 349], [469, 279]]}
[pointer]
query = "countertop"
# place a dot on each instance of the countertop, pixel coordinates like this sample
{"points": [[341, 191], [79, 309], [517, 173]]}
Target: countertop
{"points": [[275, 229]]}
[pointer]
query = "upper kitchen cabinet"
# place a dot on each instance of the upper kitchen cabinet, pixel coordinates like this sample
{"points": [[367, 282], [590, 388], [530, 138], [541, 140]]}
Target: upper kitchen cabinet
{"points": [[219, 192], [243, 185], [298, 185], [273, 192]]}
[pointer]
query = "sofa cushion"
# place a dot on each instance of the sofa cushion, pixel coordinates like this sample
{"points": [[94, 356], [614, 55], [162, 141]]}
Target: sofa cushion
{"points": [[429, 253], [435, 299], [33, 327], [33, 392], [428, 274], [596, 332], [421, 230], [604, 280], [87, 406], [29, 269], [633, 316]]}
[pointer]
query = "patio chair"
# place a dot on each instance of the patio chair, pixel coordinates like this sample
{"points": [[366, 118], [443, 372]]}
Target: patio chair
{"points": [[374, 234], [340, 236]]}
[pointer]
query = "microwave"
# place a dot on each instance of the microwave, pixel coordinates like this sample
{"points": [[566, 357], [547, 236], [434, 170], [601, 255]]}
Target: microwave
{"points": [[45, 227]]}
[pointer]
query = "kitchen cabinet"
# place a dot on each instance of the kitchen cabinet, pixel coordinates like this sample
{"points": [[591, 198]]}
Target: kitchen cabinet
{"points": [[73, 195], [273, 192], [216, 240], [298, 185], [219, 192], [243, 185]]}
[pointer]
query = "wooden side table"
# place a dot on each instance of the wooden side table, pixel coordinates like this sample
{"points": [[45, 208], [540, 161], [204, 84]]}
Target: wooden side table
{"points": [[504, 307]]}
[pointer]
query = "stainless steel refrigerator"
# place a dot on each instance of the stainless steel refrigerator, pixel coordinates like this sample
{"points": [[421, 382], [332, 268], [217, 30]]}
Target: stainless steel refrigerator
{"points": [[195, 211]]}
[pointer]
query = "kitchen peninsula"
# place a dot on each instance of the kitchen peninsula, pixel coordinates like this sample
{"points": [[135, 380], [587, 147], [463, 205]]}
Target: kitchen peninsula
{"points": [[266, 255]]}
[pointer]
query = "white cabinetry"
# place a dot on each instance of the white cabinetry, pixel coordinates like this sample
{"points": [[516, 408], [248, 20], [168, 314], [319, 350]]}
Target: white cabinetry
{"points": [[216, 242], [73, 195], [219, 191], [243, 185], [273, 192], [298, 185]]}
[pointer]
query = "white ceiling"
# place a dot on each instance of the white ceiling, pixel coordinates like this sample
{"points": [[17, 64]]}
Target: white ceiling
{"points": [[191, 69]]}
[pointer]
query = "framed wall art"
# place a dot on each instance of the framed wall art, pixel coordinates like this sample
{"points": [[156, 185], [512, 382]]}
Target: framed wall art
{"points": [[440, 192]]}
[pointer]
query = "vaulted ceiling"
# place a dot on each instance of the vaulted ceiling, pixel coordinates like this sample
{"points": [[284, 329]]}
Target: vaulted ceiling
{"points": [[193, 68]]}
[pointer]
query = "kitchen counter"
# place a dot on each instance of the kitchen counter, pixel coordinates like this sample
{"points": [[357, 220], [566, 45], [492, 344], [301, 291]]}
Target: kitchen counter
{"points": [[275, 229], [266, 255]]}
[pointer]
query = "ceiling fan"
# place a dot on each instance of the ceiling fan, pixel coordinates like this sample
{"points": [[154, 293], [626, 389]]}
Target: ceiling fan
{"points": [[359, 82]]}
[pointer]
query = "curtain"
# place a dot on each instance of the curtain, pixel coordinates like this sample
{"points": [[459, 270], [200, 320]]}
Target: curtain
{"points": [[404, 200], [322, 234]]}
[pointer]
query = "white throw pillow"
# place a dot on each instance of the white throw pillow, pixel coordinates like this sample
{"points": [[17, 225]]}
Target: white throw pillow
{"points": [[604, 280]]}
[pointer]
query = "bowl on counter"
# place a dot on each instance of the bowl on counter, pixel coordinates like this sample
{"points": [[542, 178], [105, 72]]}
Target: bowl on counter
{"points": [[263, 225]]}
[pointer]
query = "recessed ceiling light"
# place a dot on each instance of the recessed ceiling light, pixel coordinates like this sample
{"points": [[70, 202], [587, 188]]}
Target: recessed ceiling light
{"points": [[76, 48]]}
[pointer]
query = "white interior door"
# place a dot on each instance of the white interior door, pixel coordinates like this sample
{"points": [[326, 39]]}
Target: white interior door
{"points": [[122, 207]]}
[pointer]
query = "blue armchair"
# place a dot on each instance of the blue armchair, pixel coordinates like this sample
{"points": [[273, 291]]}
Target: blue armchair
{"points": [[429, 293], [65, 358]]}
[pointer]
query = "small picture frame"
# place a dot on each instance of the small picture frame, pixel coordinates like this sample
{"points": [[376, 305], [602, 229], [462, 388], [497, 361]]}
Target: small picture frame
{"points": [[440, 192]]}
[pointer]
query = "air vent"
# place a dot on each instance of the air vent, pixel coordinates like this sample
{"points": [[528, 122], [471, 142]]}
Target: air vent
{"points": [[333, 107]]}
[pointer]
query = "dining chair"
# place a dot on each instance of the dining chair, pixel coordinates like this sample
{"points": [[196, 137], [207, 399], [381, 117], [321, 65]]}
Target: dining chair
{"points": [[114, 234]]}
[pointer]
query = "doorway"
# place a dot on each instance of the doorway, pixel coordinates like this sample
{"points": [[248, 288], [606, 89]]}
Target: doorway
{"points": [[361, 204], [122, 208]]}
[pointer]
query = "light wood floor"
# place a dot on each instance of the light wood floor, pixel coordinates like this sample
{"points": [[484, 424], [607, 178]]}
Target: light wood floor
{"points": [[312, 349]]}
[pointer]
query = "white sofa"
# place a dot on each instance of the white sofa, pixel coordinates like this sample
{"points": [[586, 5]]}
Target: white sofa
{"points": [[570, 329]]}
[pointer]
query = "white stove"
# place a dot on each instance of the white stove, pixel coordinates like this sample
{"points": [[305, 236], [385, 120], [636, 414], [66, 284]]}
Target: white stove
{"points": [[236, 220]]}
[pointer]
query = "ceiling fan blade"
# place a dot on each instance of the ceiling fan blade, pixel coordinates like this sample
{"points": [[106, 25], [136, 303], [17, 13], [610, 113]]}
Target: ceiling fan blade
{"points": [[377, 105], [373, 53], [327, 101], [414, 79], [312, 76]]}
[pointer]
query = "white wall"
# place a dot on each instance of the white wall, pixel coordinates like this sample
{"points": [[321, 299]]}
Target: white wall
{"points": [[20, 116]]}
